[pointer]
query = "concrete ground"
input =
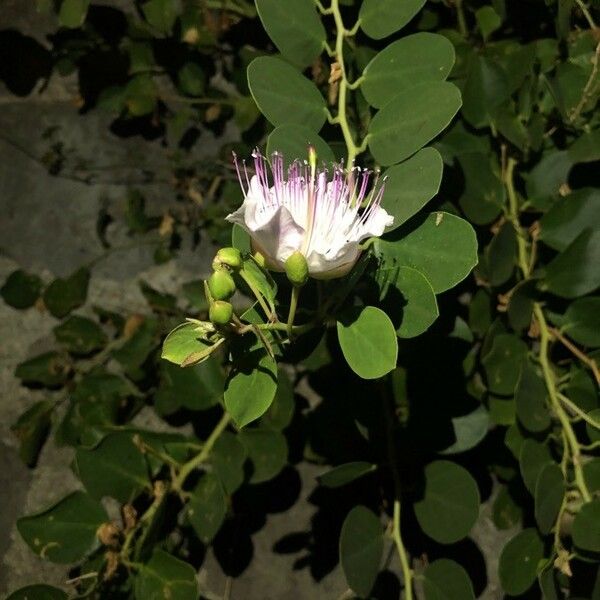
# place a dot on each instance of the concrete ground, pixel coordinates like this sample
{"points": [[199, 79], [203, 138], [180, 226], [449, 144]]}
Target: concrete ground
{"points": [[47, 226]]}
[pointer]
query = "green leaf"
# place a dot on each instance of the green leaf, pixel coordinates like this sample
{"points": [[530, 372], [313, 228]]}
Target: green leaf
{"points": [[488, 21], [240, 239], [443, 247], [292, 142], [361, 548], [141, 97], [115, 468], [31, 429], [593, 432], [368, 340], [80, 335], [569, 216], [251, 387], [519, 561], [227, 458], [469, 430], [191, 79], [411, 119], [450, 503], [405, 63], [207, 507], [165, 577], [501, 255], [503, 362], [158, 301], [343, 474], [586, 527], [408, 296], [260, 279], [267, 450], [445, 579], [549, 493], [21, 290], [531, 398], [38, 592], [50, 370], [533, 457], [188, 341], [284, 95], [66, 531], [63, 295], [380, 18], [520, 305], [198, 387], [506, 513], [591, 473], [574, 272], [72, 13], [582, 321], [485, 89], [484, 193], [281, 412], [161, 14], [246, 112], [412, 184], [295, 28]]}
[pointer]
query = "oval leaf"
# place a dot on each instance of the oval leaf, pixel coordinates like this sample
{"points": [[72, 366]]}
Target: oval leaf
{"points": [[165, 576], [450, 504], [407, 62], [295, 27], [292, 142], [445, 579], [343, 474], [411, 119], [284, 95], [586, 527], [361, 547], [368, 340], [380, 18], [519, 561]]}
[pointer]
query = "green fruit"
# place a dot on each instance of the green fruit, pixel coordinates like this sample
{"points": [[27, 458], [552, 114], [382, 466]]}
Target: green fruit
{"points": [[220, 312], [231, 257], [221, 285], [296, 269]]}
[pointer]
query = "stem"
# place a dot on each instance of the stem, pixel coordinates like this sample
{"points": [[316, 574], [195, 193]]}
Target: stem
{"points": [[462, 22], [257, 295], [396, 532], [201, 457], [293, 307], [342, 117], [586, 360], [556, 405], [586, 13], [513, 216], [580, 413]]}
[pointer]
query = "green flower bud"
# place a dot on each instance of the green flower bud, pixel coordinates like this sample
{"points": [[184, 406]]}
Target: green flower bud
{"points": [[231, 257], [221, 285], [220, 312], [296, 269]]}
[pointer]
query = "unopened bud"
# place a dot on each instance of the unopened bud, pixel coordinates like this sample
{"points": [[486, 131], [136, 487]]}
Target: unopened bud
{"points": [[220, 312], [296, 269], [221, 285], [231, 257]]}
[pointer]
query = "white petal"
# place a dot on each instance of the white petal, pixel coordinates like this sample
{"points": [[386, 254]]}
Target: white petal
{"points": [[375, 225]]}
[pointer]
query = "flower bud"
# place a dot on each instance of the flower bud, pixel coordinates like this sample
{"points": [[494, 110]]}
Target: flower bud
{"points": [[221, 285], [231, 257], [220, 312], [296, 269]]}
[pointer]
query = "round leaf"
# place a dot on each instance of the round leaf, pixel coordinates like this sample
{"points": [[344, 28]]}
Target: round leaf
{"points": [[445, 579], [586, 527], [343, 474], [380, 18], [361, 547], [407, 295], [519, 561], [503, 362], [281, 411], [450, 503], [407, 62], [21, 290], [207, 508], [284, 95], [38, 592], [66, 531], [292, 142], [411, 119], [116, 468], [411, 184], [185, 342], [80, 335], [443, 247], [227, 458], [368, 340], [469, 430], [250, 389], [533, 457], [549, 493], [267, 451], [165, 576], [582, 321], [530, 396], [295, 27]]}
